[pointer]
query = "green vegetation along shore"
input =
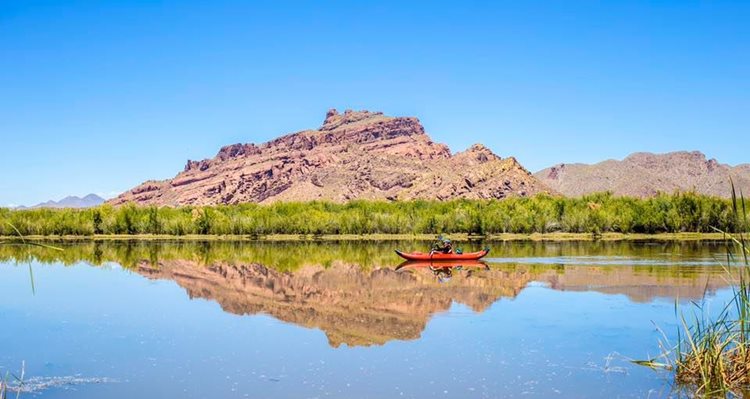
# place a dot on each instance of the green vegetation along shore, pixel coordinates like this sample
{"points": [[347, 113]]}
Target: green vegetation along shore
{"points": [[540, 215], [290, 256]]}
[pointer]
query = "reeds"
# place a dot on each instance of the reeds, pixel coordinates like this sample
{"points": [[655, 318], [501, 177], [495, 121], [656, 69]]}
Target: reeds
{"points": [[595, 213], [712, 355], [18, 383]]}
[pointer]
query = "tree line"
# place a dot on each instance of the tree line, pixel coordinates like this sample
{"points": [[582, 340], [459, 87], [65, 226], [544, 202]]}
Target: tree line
{"points": [[596, 213]]}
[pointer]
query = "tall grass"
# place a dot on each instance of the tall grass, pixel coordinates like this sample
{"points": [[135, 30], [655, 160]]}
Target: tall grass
{"points": [[5, 383], [712, 355], [596, 213]]}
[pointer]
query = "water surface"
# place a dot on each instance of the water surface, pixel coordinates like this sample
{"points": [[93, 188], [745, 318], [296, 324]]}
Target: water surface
{"points": [[314, 320]]}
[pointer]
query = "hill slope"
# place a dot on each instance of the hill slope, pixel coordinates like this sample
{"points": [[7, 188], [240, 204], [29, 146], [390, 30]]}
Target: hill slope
{"points": [[645, 174], [354, 155]]}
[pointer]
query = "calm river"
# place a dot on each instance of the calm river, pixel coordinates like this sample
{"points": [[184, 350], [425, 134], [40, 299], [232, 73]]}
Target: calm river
{"points": [[338, 320]]}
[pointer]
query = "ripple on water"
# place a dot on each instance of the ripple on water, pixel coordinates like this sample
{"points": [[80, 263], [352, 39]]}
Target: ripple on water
{"points": [[36, 385]]}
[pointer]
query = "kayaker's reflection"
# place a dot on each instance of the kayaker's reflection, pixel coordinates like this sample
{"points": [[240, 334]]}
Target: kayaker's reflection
{"points": [[444, 274]]}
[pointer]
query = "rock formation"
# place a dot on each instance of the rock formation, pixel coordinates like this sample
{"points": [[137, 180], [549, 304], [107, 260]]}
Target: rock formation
{"points": [[646, 174], [354, 155]]}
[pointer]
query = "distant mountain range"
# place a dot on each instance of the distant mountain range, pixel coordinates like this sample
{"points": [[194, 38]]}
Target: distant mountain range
{"points": [[70, 202], [353, 155], [645, 174]]}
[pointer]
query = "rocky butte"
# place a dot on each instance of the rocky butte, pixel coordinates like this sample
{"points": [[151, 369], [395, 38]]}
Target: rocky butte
{"points": [[354, 155]]}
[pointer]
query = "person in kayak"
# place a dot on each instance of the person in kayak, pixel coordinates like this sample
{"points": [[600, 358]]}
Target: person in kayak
{"points": [[442, 245]]}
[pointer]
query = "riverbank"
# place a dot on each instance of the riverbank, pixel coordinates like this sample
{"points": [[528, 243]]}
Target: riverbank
{"points": [[381, 237]]}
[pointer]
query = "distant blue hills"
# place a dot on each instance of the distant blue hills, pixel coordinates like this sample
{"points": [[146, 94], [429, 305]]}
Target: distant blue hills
{"points": [[71, 201]]}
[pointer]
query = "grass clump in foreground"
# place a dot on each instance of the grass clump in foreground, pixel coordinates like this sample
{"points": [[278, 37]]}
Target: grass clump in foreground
{"points": [[16, 380], [712, 356]]}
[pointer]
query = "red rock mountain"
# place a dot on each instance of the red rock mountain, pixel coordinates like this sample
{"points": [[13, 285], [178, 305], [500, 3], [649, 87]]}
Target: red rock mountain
{"points": [[354, 155], [645, 174]]}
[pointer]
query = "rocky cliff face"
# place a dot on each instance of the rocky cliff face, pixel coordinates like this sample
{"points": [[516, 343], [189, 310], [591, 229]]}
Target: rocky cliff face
{"points": [[353, 155], [646, 174]]}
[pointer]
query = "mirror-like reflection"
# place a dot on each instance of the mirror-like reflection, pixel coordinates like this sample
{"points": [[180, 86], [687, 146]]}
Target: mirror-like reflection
{"points": [[359, 295], [351, 305]]}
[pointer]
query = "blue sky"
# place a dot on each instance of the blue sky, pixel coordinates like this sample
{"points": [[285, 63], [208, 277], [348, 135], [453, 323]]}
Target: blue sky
{"points": [[99, 96]]}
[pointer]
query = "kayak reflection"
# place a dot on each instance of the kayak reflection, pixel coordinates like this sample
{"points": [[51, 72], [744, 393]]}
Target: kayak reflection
{"points": [[466, 264], [443, 270]]}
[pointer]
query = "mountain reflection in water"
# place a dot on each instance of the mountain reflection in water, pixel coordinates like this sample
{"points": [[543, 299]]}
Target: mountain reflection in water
{"points": [[354, 293], [351, 305]]}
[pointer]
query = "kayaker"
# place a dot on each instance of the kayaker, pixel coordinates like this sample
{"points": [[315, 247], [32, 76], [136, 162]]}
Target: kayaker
{"points": [[442, 245]]}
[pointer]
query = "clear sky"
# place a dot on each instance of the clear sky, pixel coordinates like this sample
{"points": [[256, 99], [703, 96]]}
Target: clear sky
{"points": [[98, 96]]}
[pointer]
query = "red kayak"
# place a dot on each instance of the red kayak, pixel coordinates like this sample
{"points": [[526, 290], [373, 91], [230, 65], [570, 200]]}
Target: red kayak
{"points": [[438, 256], [421, 264]]}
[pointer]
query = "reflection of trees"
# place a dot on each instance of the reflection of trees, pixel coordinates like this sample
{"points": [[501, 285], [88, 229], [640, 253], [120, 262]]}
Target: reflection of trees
{"points": [[290, 256]]}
